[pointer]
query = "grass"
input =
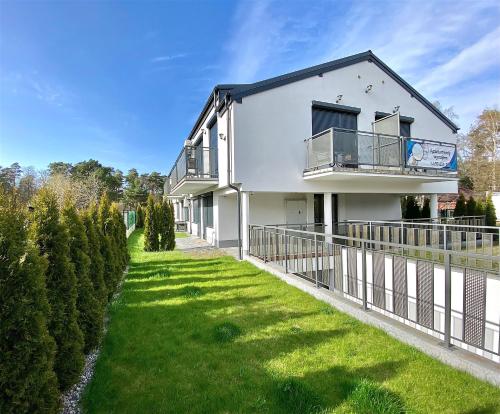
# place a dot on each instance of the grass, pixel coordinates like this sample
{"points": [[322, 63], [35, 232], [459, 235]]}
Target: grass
{"points": [[180, 235], [208, 334]]}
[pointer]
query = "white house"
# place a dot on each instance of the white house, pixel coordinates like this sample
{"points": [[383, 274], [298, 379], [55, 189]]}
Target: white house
{"points": [[338, 141]]}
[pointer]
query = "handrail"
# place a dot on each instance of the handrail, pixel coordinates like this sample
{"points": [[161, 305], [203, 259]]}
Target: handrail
{"points": [[401, 222], [380, 242]]}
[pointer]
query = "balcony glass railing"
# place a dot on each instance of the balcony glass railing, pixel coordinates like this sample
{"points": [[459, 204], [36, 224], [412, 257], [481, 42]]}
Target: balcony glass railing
{"points": [[344, 148], [194, 162]]}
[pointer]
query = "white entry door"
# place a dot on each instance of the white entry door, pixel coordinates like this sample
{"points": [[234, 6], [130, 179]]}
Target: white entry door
{"points": [[296, 212]]}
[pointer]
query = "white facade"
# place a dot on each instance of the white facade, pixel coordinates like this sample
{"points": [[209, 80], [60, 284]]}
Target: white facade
{"points": [[265, 132]]}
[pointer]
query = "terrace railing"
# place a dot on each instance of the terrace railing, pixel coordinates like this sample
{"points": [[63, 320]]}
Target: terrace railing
{"points": [[457, 303], [345, 148], [194, 162]]}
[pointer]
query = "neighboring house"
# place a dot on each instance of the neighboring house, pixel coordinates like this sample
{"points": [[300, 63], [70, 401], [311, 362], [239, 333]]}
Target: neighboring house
{"points": [[319, 145]]}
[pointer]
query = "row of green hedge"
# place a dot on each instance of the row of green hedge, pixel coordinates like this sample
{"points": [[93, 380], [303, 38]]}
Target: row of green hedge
{"points": [[59, 267], [159, 225]]}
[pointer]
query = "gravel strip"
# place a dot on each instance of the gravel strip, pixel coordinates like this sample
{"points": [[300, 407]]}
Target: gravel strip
{"points": [[71, 398]]}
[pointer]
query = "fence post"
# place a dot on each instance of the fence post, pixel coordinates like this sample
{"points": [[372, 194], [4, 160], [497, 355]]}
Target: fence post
{"points": [[265, 244], [363, 276], [316, 258], [445, 239], [447, 299], [286, 252]]}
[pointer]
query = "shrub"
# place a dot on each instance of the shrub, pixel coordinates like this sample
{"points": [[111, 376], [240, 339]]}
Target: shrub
{"points": [[471, 208], [171, 227], [51, 237], [161, 217], [96, 270], [167, 226], [412, 208], [151, 242], [139, 217], [490, 213], [479, 208], [119, 234], [370, 398], [90, 312], [460, 207], [107, 247], [426, 209], [28, 383]]}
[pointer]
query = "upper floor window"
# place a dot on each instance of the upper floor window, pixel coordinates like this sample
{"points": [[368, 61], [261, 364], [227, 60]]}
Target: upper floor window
{"points": [[326, 115]]}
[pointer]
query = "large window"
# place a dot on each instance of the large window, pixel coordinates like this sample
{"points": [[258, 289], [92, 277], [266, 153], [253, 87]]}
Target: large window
{"points": [[196, 211], [213, 135], [326, 116], [208, 211]]}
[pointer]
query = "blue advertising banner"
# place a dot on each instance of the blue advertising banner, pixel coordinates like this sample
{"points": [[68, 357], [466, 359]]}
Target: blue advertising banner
{"points": [[429, 154]]}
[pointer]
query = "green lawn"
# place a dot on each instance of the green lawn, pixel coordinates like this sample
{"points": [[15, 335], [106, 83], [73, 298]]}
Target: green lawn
{"points": [[180, 235], [207, 334]]}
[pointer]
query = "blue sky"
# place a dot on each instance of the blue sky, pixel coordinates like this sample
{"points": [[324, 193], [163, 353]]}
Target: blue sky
{"points": [[123, 82]]}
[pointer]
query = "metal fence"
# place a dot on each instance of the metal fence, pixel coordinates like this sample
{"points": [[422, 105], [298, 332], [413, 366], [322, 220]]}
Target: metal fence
{"points": [[129, 218], [457, 303], [470, 239]]}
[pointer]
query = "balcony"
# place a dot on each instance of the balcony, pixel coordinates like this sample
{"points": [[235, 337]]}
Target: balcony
{"points": [[195, 170], [348, 154]]}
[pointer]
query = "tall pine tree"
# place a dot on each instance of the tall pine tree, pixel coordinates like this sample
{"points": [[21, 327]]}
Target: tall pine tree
{"points": [[28, 383], [51, 237], [90, 315], [151, 242]]}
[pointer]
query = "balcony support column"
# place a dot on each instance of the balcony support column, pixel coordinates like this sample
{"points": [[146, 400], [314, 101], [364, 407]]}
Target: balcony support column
{"points": [[245, 220], [327, 211], [434, 206]]}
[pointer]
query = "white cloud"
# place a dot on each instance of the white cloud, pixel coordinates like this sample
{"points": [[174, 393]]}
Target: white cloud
{"points": [[478, 58], [166, 58], [435, 45]]}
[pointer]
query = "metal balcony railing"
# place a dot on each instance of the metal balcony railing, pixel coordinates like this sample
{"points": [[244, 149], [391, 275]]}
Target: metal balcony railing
{"points": [[194, 162], [345, 148]]}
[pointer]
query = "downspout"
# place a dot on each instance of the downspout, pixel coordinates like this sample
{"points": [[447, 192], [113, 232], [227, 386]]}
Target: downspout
{"points": [[231, 185]]}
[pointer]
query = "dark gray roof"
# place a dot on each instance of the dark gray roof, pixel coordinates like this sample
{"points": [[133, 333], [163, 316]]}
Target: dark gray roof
{"points": [[239, 91]]}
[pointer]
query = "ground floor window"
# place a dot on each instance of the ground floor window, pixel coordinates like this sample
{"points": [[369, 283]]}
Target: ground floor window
{"points": [[208, 211], [196, 210]]}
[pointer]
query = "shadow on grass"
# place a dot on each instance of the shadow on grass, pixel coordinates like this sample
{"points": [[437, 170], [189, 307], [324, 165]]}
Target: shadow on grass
{"points": [[213, 355]]}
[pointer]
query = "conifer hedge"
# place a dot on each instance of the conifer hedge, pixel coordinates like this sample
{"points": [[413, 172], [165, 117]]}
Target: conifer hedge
{"points": [[90, 312], [96, 270], [51, 237], [28, 383], [108, 250], [151, 241], [57, 271]]}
